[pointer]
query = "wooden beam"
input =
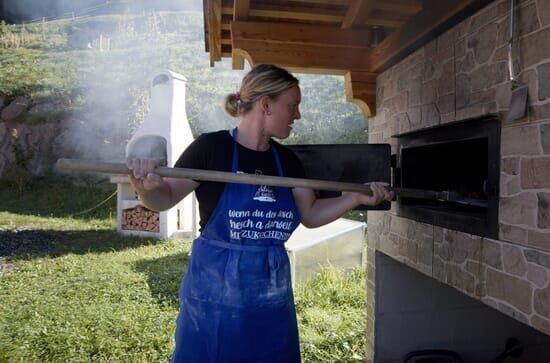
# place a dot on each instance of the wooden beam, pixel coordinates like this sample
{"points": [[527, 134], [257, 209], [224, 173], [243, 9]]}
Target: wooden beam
{"points": [[214, 18], [326, 2], [384, 22], [330, 60], [436, 17], [361, 90], [240, 9], [409, 7], [295, 15], [358, 13], [305, 34]]}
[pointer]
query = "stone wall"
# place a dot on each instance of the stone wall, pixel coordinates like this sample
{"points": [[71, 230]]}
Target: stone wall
{"points": [[460, 75], [46, 131]]}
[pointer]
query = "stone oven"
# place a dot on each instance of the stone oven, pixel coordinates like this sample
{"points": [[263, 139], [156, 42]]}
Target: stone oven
{"points": [[162, 136], [465, 276]]}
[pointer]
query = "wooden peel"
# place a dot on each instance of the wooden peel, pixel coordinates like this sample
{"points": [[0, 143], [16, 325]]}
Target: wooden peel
{"points": [[80, 165]]}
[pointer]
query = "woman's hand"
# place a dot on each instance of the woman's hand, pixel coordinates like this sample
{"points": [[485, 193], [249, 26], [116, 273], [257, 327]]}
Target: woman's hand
{"points": [[143, 177], [380, 193]]}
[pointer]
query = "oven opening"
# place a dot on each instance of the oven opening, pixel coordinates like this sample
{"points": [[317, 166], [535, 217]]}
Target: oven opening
{"points": [[463, 159], [459, 167]]}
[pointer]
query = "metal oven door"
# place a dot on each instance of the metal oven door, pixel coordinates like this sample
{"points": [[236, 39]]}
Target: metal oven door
{"points": [[353, 163]]}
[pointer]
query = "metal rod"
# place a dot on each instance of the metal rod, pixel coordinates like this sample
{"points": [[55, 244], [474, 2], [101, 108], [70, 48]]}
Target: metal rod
{"points": [[511, 71], [79, 165]]}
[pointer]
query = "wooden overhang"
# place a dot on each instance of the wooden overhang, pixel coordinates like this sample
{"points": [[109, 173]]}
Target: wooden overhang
{"points": [[354, 38]]}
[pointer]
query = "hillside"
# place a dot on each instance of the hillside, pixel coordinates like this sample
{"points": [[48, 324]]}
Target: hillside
{"points": [[104, 93]]}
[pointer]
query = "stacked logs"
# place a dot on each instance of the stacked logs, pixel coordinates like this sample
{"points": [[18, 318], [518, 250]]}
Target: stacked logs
{"points": [[141, 219]]}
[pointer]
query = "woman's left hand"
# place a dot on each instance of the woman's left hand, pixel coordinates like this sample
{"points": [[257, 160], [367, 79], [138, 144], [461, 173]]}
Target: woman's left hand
{"points": [[380, 193]]}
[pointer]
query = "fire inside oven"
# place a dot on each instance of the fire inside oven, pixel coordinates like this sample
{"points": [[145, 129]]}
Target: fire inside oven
{"points": [[462, 159]]}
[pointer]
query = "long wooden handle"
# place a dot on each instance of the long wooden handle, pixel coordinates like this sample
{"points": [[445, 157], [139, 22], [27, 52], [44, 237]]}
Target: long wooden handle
{"points": [[227, 177]]}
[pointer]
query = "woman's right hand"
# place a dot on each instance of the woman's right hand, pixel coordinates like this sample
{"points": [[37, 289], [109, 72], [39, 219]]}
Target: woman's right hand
{"points": [[143, 177]]}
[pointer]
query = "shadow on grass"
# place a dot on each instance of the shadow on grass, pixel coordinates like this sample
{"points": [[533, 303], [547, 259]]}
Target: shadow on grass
{"points": [[57, 196], [164, 276], [29, 244]]}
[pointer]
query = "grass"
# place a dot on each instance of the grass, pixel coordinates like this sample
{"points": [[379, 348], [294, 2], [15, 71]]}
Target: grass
{"points": [[73, 290]]}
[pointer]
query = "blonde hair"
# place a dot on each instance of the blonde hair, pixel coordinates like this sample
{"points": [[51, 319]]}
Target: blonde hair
{"points": [[261, 80]]}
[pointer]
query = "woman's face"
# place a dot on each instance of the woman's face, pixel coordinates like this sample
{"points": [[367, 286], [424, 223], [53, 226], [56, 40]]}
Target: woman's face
{"points": [[282, 112]]}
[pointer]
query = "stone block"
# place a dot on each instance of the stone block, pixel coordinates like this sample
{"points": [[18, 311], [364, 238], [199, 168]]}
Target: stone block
{"points": [[544, 12], [537, 275], [540, 323], [446, 82], [527, 20], [541, 302], [430, 49], [471, 244], [429, 92], [463, 28], [446, 104], [447, 117], [519, 209], [14, 109], [415, 117], [520, 140], [539, 112], [486, 16], [488, 76], [539, 257], [460, 48], [430, 115], [463, 90], [466, 63], [509, 185], [543, 217], [415, 94], [510, 165], [399, 103], [513, 233], [514, 313], [535, 172], [513, 260], [515, 291], [399, 226], [412, 250], [503, 95], [402, 122], [491, 253], [545, 138], [539, 239], [534, 47], [483, 42], [543, 71]]}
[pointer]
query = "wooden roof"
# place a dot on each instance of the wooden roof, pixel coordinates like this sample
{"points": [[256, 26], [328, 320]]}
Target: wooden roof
{"points": [[354, 38]]}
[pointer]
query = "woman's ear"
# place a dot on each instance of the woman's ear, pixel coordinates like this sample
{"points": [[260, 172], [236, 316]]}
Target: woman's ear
{"points": [[265, 105]]}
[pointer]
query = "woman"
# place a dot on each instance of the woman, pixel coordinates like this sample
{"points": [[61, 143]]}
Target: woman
{"points": [[236, 297]]}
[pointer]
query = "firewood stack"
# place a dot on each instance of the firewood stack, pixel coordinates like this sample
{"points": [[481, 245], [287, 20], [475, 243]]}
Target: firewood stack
{"points": [[141, 219]]}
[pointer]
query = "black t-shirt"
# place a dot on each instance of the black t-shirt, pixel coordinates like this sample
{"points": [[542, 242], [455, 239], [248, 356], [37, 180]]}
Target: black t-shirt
{"points": [[214, 151]]}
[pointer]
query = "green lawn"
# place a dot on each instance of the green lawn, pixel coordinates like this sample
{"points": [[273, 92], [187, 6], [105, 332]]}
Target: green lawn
{"points": [[73, 290]]}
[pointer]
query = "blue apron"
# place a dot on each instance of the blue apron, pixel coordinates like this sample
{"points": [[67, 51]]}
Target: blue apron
{"points": [[236, 302]]}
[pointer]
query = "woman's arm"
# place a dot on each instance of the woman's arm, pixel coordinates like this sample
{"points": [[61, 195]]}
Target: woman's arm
{"points": [[155, 192], [317, 212]]}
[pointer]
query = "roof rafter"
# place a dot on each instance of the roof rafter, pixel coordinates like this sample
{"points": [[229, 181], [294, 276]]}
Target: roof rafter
{"points": [[358, 13], [306, 34]]}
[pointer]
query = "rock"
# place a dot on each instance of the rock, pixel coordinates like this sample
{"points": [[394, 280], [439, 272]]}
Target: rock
{"points": [[15, 109]]}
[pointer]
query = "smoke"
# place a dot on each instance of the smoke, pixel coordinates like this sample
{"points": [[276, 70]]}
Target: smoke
{"points": [[113, 83], [28, 10], [115, 56]]}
